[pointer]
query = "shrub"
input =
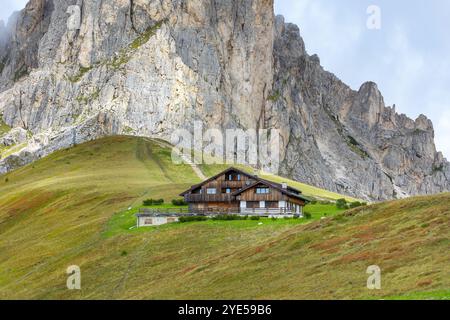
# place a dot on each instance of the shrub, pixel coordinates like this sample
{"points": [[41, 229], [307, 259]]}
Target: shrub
{"points": [[339, 218], [255, 218], [152, 202], [307, 215], [325, 202], [192, 219], [341, 204], [147, 202], [357, 204], [179, 202]]}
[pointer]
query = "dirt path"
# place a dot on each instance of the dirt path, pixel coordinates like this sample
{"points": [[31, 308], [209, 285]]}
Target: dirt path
{"points": [[185, 159]]}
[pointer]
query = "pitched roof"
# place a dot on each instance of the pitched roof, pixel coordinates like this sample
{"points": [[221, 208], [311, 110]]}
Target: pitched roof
{"points": [[290, 191], [216, 176], [276, 186]]}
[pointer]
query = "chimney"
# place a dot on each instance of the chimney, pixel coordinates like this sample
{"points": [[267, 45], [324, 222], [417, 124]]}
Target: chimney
{"points": [[284, 185]]}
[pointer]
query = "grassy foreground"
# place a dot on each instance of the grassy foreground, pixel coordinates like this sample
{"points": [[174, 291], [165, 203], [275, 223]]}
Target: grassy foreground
{"points": [[64, 210]]}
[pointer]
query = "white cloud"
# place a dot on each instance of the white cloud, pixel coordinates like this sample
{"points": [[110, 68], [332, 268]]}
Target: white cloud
{"points": [[443, 127], [406, 69]]}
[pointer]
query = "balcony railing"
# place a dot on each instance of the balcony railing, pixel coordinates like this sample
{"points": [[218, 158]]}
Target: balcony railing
{"points": [[168, 211], [266, 211], [183, 211], [225, 197]]}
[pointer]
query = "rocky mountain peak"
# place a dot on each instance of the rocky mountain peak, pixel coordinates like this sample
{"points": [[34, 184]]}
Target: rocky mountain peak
{"points": [[423, 123], [368, 106], [147, 68]]}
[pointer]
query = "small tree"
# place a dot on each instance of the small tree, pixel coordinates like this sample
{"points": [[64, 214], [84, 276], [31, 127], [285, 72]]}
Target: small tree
{"points": [[341, 204], [178, 202], [355, 204]]}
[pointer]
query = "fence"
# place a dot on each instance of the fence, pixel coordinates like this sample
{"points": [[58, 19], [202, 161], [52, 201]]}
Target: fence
{"points": [[217, 211]]}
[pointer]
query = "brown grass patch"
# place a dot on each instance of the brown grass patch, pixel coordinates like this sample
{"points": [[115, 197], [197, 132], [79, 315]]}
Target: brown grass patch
{"points": [[331, 243], [118, 199], [27, 203], [189, 269], [358, 256], [425, 283]]}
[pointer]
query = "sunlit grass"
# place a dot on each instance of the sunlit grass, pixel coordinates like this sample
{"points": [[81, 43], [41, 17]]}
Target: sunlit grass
{"points": [[71, 209]]}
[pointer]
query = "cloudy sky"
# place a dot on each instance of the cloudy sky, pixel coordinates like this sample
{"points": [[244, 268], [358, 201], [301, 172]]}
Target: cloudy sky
{"points": [[408, 57], [9, 6]]}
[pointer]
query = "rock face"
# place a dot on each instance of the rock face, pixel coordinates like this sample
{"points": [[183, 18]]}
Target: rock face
{"points": [[147, 67]]}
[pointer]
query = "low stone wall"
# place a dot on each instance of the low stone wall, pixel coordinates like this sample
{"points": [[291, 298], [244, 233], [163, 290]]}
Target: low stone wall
{"points": [[147, 221]]}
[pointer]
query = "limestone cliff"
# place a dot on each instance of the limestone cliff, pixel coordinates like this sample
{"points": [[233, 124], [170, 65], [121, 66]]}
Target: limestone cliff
{"points": [[147, 67]]}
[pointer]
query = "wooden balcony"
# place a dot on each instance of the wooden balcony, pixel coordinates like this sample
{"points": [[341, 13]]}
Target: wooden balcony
{"points": [[181, 211], [193, 198], [266, 211], [235, 184]]}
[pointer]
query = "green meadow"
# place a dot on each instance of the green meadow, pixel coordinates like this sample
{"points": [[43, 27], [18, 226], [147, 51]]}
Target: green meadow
{"points": [[78, 206]]}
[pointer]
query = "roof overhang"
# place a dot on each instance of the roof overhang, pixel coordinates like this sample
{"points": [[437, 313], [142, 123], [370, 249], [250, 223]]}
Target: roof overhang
{"points": [[275, 186], [216, 176]]}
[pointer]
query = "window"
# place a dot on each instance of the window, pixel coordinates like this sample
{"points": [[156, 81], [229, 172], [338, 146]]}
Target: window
{"points": [[262, 190], [228, 190], [211, 191], [233, 177]]}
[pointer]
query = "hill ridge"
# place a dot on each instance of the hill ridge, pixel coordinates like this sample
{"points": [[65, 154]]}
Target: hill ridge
{"points": [[52, 217]]}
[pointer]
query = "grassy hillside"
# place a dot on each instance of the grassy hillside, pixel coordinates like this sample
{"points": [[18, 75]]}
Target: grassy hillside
{"points": [[71, 209], [4, 128]]}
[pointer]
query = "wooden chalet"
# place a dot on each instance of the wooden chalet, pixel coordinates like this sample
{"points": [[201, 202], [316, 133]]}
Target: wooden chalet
{"points": [[236, 191]]}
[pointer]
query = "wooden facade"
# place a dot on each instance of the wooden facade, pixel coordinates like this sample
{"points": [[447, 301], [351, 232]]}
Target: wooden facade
{"points": [[235, 191]]}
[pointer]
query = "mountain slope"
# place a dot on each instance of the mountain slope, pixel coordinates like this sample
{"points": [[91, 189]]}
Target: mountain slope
{"points": [[150, 68], [57, 211]]}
